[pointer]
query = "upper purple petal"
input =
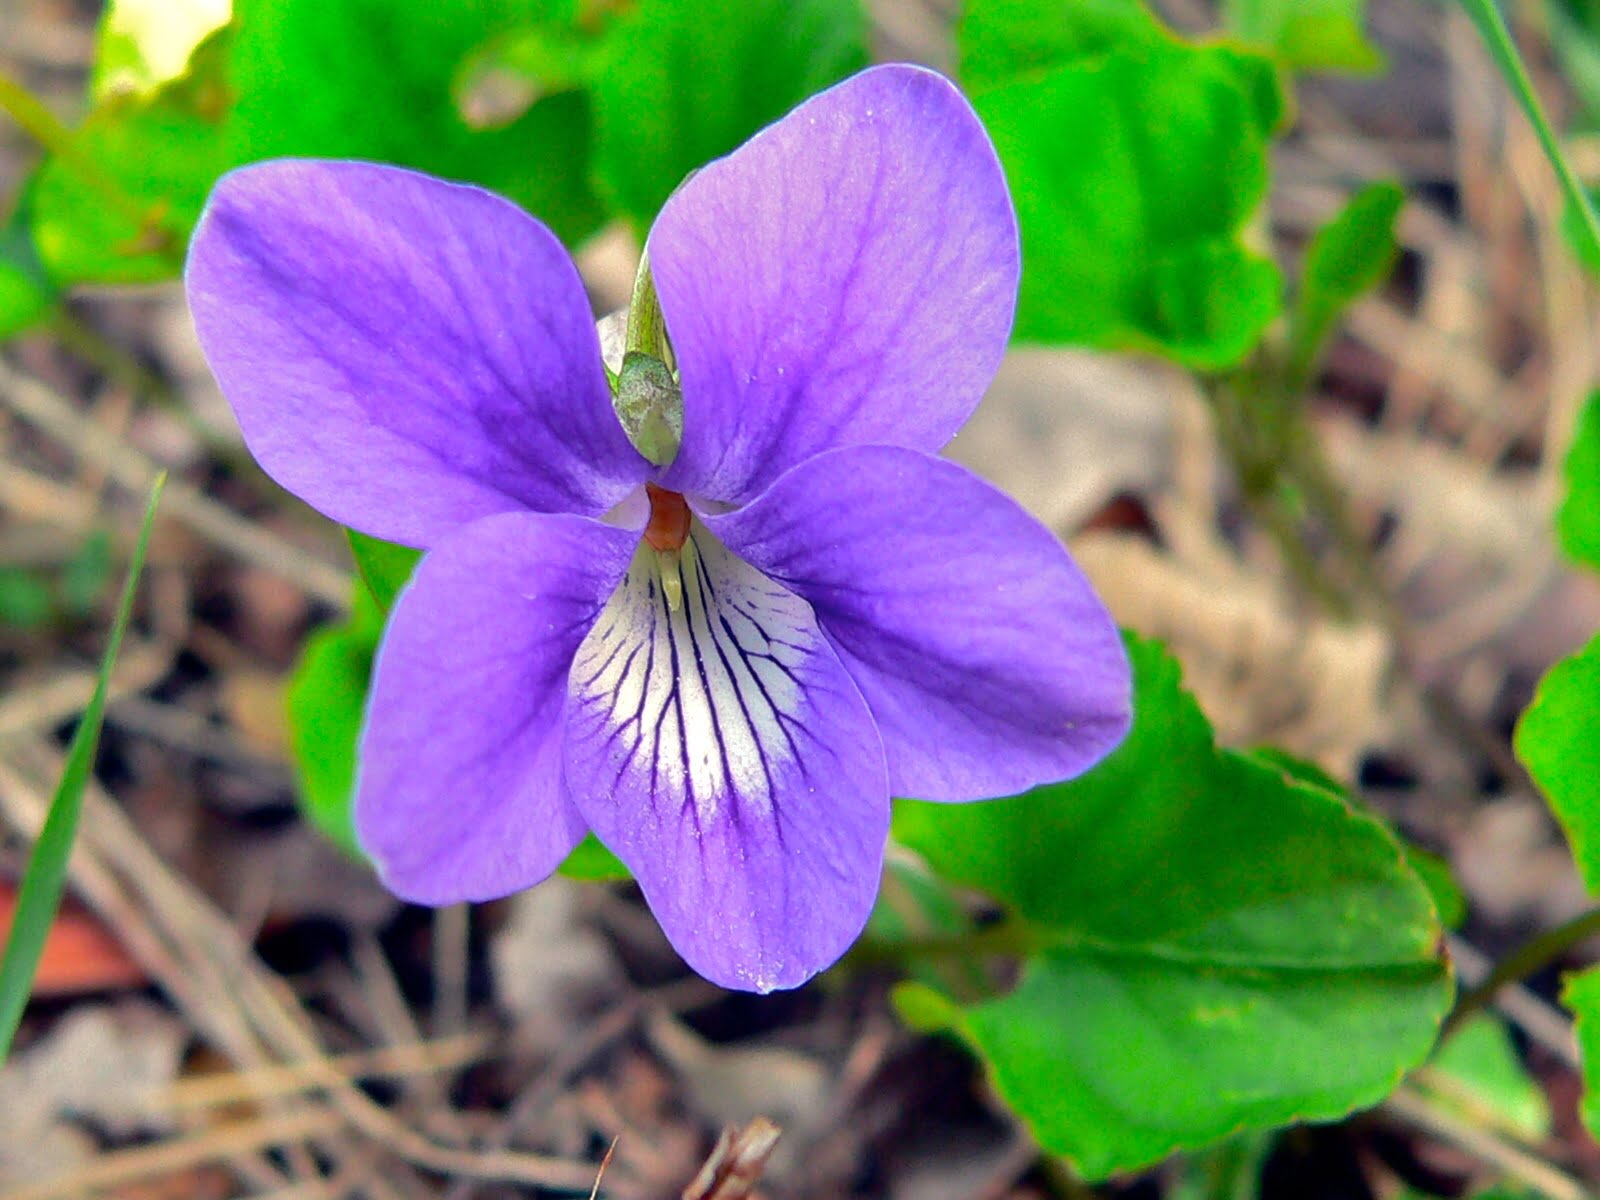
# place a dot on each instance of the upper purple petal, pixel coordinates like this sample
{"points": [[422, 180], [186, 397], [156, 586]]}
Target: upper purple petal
{"points": [[986, 658], [847, 276], [404, 354], [459, 794], [722, 752]]}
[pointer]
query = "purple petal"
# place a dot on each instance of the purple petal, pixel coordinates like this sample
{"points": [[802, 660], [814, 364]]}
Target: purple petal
{"points": [[847, 276], [986, 658], [459, 791], [404, 354], [722, 752]]}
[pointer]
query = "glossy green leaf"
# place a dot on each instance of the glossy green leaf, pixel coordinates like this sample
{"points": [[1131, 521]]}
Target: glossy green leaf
{"points": [[1211, 946], [117, 206], [1449, 901], [1136, 161], [45, 878], [1347, 257], [1477, 1074], [686, 83], [1578, 522], [142, 44], [373, 79], [1306, 35], [384, 567], [1558, 740]]}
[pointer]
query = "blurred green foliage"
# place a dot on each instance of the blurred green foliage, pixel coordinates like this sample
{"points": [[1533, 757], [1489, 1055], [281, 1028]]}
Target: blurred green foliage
{"points": [[1578, 519], [1306, 35], [1478, 1075], [1348, 257]]}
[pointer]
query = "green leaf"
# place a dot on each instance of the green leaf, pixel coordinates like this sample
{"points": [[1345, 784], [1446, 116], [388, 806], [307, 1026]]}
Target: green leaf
{"points": [[1347, 258], [326, 702], [1578, 521], [45, 878], [22, 300], [117, 203], [686, 83], [385, 567], [1136, 161], [1214, 947], [142, 44], [1449, 901], [1581, 994], [24, 599], [373, 79], [1003, 40], [1558, 740], [1306, 35], [1478, 1074], [592, 862], [26, 294], [364, 79], [87, 575], [1492, 28]]}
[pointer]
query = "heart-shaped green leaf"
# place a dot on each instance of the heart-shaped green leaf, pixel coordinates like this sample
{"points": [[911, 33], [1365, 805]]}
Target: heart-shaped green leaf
{"points": [[1136, 160], [1213, 945]]}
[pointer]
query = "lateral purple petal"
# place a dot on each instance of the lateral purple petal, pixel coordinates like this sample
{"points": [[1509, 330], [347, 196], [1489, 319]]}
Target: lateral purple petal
{"points": [[724, 755], [404, 354], [848, 276], [459, 795], [986, 658]]}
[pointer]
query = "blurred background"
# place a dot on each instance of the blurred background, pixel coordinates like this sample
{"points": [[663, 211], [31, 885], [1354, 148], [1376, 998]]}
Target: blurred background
{"points": [[229, 1004]]}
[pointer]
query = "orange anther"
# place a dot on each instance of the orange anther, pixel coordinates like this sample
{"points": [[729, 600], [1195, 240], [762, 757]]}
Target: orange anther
{"points": [[669, 519]]}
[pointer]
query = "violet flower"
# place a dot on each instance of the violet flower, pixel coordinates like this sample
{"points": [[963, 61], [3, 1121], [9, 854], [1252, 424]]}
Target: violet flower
{"points": [[724, 665]]}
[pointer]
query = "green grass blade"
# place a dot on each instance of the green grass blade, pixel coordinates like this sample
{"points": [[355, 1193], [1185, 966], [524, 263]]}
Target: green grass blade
{"points": [[45, 878], [1492, 27]]}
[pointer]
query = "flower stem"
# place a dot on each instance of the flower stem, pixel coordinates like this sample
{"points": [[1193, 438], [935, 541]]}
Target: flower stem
{"points": [[1253, 430], [37, 121], [1541, 951]]}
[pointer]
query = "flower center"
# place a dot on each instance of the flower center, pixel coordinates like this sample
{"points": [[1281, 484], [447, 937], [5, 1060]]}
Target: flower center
{"points": [[669, 519]]}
